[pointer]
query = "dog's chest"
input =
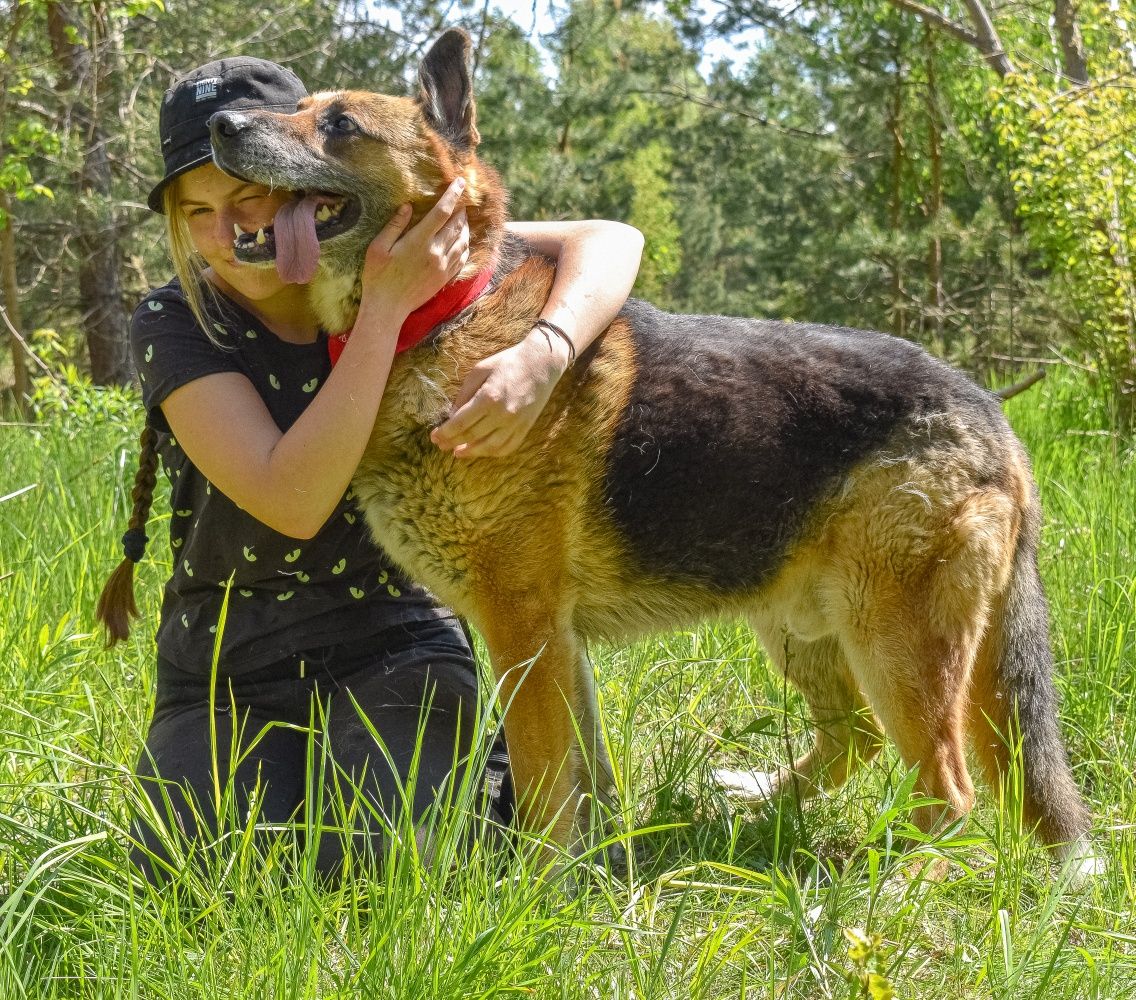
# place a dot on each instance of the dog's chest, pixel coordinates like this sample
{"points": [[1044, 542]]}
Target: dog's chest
{"points": [[421, 504]]}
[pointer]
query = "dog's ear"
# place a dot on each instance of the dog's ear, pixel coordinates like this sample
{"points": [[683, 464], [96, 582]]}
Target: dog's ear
{"points": [[447, 92]]}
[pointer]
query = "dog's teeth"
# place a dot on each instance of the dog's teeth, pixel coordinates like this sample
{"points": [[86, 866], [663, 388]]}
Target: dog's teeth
{"points": [[237, 231], [323, 214], [260, 238]]}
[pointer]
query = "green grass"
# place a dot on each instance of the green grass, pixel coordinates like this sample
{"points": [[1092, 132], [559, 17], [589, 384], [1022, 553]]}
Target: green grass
{"points": [[719, 903]]}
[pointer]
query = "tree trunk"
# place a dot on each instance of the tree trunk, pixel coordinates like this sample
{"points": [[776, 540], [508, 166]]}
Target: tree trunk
{"points": [[11, 290], [1072, 46], [895, 198], [83, 70], [934, 201]]}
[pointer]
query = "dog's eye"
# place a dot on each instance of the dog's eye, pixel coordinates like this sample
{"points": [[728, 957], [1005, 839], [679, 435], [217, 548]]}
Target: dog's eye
{"points": [[345, 124]]}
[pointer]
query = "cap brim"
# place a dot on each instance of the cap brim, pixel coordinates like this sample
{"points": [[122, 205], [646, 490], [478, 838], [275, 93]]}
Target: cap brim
{"points": [[155, 199]]}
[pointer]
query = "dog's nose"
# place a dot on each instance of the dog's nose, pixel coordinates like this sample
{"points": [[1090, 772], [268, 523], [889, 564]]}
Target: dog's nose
{"points": [[226, 124]]}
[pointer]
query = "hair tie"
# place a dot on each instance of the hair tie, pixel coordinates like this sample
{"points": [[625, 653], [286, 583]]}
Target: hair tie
{"points": [[134, 544], [547, 327]]}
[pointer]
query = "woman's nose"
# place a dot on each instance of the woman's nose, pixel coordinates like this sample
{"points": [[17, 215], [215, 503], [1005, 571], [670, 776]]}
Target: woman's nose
{"points": [[225, 231]]}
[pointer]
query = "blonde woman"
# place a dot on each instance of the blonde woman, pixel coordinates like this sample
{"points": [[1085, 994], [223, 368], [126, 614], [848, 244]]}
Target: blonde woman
{"points": [[259, 436]]}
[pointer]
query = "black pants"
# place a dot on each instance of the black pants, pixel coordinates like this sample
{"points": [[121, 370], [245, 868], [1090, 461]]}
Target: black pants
{"points": [[304, 745]]}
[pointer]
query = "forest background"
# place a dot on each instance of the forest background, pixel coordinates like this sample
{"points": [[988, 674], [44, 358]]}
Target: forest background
{"points": [[960, 175]]}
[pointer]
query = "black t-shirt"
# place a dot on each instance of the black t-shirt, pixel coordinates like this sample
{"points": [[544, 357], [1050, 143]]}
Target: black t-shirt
{"points": [[286, 595]]}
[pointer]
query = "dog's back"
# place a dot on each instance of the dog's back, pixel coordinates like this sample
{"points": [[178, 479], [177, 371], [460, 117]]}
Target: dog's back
{"points": [[736, 431]]}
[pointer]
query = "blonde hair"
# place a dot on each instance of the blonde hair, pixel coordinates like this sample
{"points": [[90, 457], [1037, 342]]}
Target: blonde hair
{"points": [[188, 265]]}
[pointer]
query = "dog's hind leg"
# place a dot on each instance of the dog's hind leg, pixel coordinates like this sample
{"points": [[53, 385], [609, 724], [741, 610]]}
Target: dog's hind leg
{"points": [[916, 682], [914, 601], [845, 733]]}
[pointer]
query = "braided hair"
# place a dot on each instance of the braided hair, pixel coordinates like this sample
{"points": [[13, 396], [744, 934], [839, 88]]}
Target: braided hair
{"points": [[116, 603]]}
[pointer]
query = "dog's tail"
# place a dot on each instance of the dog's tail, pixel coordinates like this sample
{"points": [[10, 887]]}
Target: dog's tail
{"points": [[1014, 703]]}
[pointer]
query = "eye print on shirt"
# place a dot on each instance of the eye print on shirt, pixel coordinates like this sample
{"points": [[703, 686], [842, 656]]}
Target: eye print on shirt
{"points": [[302, 576], [188, 569], [357, 593], [274, 381], [251, 334], [292, 556], [349, 517], [286, 596], [155, 306], [248, 554], [384, 576], [149, 355], [184, 513], [310, 386]]}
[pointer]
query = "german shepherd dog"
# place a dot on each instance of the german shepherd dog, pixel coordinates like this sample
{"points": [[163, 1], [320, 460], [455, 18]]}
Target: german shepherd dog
{"points": [[865, 507]]}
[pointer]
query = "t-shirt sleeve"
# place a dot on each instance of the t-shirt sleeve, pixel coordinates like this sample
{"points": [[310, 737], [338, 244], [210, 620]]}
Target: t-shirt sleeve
{"points": [[170, 349]]}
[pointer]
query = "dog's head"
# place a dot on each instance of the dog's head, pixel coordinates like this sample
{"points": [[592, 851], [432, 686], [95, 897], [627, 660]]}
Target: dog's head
{"points": [[352, 158]]}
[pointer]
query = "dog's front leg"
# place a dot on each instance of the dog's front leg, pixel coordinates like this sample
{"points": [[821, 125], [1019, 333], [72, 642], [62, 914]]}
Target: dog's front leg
{"points": [[537, 662]]}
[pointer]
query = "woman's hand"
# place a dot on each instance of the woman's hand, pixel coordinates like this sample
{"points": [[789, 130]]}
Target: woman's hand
{"points": [[501, 398], [404, 270]]}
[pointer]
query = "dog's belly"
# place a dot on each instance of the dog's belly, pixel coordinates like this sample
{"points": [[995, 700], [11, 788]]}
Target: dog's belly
{"points": [[737, 431]]}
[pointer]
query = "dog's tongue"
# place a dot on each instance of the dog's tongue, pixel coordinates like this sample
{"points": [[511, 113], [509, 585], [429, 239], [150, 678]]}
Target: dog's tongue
{"points": [[297, 246]]}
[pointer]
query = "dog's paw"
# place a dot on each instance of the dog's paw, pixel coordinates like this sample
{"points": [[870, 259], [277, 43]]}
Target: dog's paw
{"points": [[1081, 865], [750, 787]]}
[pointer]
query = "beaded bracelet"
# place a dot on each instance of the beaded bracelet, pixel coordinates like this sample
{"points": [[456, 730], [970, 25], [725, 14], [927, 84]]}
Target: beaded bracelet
{"points": [[547, 327]]}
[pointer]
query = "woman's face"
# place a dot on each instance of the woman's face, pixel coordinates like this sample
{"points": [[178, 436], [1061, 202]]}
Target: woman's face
{"points": [[212, 202]]}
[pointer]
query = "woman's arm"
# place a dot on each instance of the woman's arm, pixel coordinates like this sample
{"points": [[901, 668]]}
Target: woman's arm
{"points": [[501, 398], [292, 481]]}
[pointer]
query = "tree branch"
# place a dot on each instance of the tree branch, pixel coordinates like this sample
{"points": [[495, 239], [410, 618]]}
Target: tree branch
{"points": [[937, 20], [989, 43], [1010, 391], [985, 38]]}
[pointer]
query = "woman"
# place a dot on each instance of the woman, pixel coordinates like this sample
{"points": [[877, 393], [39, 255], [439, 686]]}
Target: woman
{"points": [[277, 587]]}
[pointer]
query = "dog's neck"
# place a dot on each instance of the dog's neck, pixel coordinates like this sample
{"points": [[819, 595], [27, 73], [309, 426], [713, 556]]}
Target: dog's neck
{"points": [[336, 294], [446, 305]]}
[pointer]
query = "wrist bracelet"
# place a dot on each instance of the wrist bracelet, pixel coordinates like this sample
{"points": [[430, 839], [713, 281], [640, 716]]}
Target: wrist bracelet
{"points": [[546, 326]]}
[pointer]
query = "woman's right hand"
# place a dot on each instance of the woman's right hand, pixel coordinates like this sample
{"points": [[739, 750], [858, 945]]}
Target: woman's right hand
{"points": [[404, 270]]}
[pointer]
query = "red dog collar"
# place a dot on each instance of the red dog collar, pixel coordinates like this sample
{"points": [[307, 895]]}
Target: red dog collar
{"points": [[444, 306]]}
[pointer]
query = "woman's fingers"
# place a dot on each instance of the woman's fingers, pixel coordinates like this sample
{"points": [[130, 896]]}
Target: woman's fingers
{"points": [[496, 443], [466, 416], [388, 236], [455, 229], [439, 215]]}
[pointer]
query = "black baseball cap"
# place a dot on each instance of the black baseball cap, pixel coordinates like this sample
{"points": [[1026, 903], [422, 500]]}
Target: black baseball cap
{"points": [[225, 85]]}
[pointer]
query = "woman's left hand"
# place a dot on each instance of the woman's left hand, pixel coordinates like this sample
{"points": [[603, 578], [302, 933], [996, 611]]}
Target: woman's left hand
{"points": [[502, 397]]}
